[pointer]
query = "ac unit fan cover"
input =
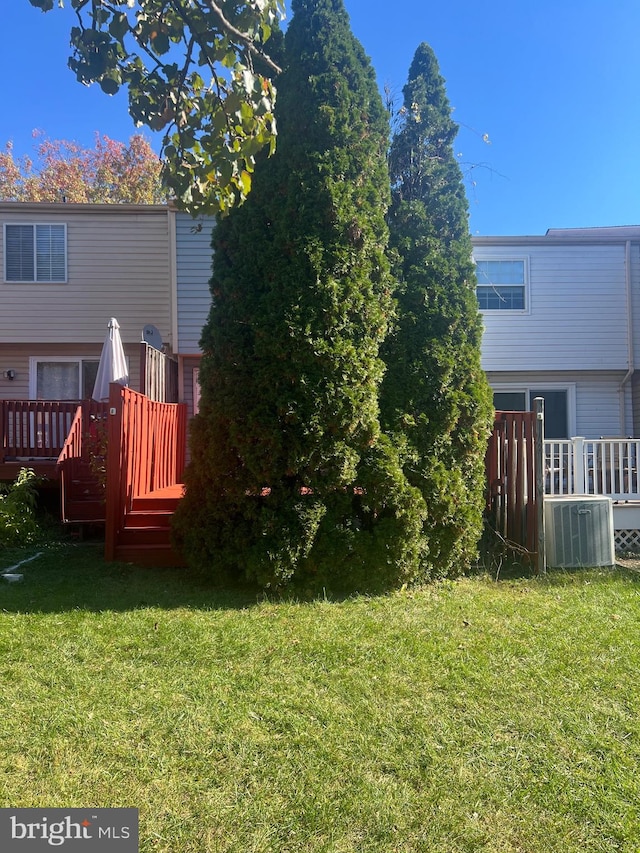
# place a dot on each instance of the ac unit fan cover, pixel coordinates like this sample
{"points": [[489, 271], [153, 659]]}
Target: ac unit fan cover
{"points": [[579, 531]]}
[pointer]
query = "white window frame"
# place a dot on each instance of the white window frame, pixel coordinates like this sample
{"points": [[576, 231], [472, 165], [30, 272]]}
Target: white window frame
{"points": [[35, 360], [497, 312], [522, 388], [35, 226]]}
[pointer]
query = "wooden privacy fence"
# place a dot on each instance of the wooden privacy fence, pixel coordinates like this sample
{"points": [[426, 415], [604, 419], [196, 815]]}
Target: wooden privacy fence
{"points": [[511, 479], [146, 453]]}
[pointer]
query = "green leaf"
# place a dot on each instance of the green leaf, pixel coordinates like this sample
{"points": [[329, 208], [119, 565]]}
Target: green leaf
{"points": [[244, 182], [229, 59], [109, 86], [225, 171], [119, 26], [160, 43]]}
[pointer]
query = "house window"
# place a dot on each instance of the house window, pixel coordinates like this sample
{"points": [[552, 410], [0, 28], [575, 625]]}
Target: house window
{"points": [[556, 407], [501, 285], [35, 253], [510, 401], [63, 378]]}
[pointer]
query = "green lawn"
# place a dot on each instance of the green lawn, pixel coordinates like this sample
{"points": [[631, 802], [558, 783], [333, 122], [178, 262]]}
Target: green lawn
{"points": [[467, 716]]}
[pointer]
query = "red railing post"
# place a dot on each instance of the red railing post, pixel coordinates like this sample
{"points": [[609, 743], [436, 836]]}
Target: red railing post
{"points": [[113, 510]]}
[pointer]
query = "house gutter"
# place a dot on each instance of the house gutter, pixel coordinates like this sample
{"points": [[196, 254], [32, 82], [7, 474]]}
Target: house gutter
{"points": [[630, 348]]}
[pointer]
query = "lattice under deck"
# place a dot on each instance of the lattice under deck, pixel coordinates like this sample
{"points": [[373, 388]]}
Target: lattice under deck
{"points": [[627, 541]]}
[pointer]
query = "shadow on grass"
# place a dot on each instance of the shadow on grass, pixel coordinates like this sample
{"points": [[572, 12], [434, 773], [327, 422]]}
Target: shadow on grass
{"points": [[74, 576]]}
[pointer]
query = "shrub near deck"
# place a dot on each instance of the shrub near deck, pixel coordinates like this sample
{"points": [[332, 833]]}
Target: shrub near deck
{"points": [[17, 510]]}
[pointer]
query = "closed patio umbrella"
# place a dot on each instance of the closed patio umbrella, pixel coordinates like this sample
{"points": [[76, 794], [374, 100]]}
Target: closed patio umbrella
{"points": [[113, 364]]}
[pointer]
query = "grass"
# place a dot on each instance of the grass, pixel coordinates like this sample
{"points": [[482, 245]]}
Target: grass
{"points": [[467, 716]]}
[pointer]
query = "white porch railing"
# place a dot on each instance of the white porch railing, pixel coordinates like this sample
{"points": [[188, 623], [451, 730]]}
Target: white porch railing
{"points": [[580, 466]]}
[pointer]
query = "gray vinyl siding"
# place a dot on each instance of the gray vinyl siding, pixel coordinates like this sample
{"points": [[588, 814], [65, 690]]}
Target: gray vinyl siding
{"points": [[117, 266], [635, 301], [193, 271], [576, 316]]}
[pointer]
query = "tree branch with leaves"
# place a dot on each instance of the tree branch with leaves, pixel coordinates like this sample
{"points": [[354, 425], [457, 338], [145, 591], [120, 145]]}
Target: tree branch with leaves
{"points": [[196, 70]]}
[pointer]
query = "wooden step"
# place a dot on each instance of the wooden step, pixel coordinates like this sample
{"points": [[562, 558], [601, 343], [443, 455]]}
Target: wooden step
{"points": [[149, 518], [84, 511], [155, 556], [144, 536], [148, 502]]}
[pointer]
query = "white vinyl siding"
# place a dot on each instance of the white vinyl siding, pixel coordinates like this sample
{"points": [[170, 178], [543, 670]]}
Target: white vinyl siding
{"points": [[35, 252], [635, 301], [193, 272], [576, 317]]}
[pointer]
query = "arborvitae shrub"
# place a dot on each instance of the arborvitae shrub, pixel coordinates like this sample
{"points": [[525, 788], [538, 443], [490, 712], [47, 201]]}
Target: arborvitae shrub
{"points": [[435, 398], [290, 480]]}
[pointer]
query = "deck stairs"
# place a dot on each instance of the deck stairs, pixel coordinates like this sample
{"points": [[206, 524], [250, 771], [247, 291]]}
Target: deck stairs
{"points": [[82, 498], [145, 538]]}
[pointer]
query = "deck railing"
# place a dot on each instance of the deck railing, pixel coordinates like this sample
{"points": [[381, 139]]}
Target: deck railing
{"points": [[77, 450], [38, 429], [158, 374], [146, 453], [580, 466]]}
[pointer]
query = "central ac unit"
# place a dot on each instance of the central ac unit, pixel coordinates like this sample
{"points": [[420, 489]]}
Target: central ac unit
{"points": [[579, 531]]}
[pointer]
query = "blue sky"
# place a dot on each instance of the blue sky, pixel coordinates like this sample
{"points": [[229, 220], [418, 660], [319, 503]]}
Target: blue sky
{"points": [[553, 83]]}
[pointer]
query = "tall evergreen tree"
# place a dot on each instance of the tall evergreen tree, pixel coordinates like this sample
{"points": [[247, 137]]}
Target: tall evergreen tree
{"points": [[435, 398], [290, 477]]}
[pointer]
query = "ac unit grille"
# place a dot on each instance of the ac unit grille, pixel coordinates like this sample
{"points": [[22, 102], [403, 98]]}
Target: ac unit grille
{"points": [[579, 531]]}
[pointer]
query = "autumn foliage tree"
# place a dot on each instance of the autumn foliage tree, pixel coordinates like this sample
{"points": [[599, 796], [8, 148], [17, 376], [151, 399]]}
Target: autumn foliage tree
{"points": [[110, 173]]}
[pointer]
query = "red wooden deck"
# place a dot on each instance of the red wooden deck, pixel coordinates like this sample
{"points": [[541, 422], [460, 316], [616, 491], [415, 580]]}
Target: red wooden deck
{"points": [[145, 446], [33, 434]]}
